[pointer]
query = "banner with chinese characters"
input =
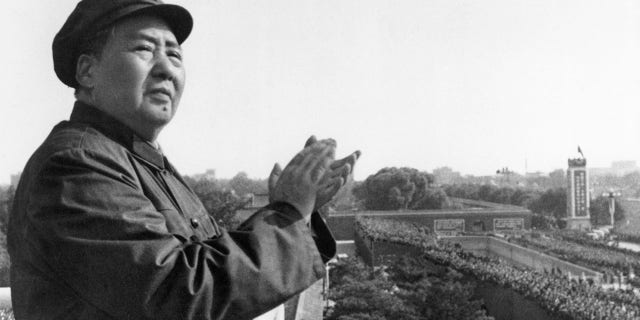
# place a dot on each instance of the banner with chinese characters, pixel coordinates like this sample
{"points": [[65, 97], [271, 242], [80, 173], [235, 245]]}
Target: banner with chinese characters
{"points": [[448, 227], [580, 193], [508, 224]]}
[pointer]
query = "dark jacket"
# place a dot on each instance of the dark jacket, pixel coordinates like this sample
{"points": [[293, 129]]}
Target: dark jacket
{"points": [[103, 227]]}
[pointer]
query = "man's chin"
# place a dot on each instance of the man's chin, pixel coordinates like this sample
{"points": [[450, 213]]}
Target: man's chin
{"points": [[160, 111]]}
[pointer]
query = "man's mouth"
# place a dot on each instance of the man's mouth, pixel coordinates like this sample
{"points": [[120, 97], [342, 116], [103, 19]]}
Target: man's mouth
{"points": [[160, 92]]}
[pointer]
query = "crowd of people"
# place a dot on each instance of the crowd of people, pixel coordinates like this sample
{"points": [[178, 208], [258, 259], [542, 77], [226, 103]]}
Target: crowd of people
{"points": [[605, 260], [554, 292]]}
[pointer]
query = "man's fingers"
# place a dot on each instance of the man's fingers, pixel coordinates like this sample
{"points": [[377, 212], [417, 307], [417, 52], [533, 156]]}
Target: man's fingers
{"points": [[319, 164], [318, 172], [343, 171], [331, 183], [312, 140], [274, 176], [330, 142], [328, 191], [300, 158], [307, 160], [316, 155], [350, 159]]}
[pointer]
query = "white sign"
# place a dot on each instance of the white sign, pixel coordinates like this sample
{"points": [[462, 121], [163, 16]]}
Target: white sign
{"points": [[508, 224], [448, 227]]}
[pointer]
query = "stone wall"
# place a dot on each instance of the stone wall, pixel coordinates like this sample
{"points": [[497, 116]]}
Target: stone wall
{"points": [[374, 252], [522, 256], [347, 247]]}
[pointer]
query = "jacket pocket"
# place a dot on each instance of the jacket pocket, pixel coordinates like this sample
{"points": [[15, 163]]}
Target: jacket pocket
{"points": [[207, 228], [177, 225]]}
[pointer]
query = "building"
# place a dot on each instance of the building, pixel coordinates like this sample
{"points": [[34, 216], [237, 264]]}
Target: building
{"points": [[617, 168]]}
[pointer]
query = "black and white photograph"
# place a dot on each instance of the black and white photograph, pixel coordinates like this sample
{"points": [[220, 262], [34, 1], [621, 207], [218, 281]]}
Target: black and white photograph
{"points": [[339, 160]]}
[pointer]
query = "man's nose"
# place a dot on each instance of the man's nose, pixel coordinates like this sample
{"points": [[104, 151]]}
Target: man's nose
{"points": [[164, 68]]}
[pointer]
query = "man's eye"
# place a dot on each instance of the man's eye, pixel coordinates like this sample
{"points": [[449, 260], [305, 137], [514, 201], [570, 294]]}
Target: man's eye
{"points": [[143, 48], [175, 54]]}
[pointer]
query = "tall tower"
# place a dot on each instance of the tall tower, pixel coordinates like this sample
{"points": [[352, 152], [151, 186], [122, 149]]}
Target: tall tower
{"points": [[578, 216]]}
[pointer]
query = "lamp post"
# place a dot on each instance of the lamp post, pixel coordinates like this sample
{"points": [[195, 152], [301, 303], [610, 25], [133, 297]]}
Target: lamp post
{"points": [[612, 203]]}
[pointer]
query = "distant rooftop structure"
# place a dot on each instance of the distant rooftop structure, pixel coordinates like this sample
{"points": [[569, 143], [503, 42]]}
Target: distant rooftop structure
{"points": [[536, 174], [624, 165], [210, 174], [617, 168], [258, 201]]}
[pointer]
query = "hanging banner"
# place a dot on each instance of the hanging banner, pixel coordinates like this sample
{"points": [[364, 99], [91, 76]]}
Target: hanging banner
{"points": [[580, 193]]}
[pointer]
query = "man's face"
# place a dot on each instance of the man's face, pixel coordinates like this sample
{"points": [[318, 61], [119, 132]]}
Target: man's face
{"points": [[139, 76]]}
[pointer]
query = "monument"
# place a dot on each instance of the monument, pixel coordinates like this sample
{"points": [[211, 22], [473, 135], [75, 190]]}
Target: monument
{"points": [[578, 216]]}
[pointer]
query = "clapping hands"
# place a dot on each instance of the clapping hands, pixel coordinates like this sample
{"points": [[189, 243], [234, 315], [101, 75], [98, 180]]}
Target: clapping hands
{"points": [[312, 178]]}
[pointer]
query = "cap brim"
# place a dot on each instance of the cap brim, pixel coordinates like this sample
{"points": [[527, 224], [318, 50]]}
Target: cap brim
{"points": [[177, 17]]}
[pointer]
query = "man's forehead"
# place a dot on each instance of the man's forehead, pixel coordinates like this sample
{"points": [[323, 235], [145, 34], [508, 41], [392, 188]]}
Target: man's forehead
{"points": [[146, 28]]}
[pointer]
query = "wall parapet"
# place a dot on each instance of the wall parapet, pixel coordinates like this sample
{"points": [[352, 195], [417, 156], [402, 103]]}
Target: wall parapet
{"points": [[523, 256]]}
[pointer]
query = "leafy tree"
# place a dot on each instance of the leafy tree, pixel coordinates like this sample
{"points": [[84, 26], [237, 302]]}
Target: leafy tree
{"points": [[360, 294], [434, 292], [221, 203], [502, 195], [464, 191], [558, 179], [243, 185], [5, 262], [599, 211], [399, 188], [542, 222], [433, 198], [436, 298], [6, 201], [523, 198], [552, 202], [409, 289], [485, 191]]}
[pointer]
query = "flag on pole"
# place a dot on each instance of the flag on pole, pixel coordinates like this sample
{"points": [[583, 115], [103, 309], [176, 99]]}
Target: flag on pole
{"points": [[580, 152]]}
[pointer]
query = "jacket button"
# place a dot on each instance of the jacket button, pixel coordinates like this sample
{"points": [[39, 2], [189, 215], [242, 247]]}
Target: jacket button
{"points": [[195, 223]]}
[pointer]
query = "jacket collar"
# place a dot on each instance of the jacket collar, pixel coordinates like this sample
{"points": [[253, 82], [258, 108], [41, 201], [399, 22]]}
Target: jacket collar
{"points": [[117, 131]]}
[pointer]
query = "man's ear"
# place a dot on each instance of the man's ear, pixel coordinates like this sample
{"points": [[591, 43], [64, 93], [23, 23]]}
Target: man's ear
{"points": [[85, 70]]}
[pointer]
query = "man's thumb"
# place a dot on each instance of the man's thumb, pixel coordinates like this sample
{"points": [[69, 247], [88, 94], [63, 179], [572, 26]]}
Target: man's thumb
{"points": [[274, 176]]}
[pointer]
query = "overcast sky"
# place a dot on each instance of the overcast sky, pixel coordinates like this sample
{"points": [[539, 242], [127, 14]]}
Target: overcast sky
{"points": [[473, 85]]}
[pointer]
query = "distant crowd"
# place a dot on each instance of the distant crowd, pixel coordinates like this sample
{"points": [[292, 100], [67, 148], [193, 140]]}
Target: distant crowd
{"points": [[554, 292]]}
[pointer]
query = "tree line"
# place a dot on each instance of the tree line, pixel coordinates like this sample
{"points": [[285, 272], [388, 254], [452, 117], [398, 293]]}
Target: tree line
{"points": [[409, 288], [549, 206]]}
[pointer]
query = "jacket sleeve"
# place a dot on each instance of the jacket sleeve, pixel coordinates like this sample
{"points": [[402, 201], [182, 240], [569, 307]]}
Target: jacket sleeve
{"points": [[105, 240]]}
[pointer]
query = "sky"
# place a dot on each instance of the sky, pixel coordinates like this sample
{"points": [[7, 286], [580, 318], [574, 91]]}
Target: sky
{"points": [[472, 85]]}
